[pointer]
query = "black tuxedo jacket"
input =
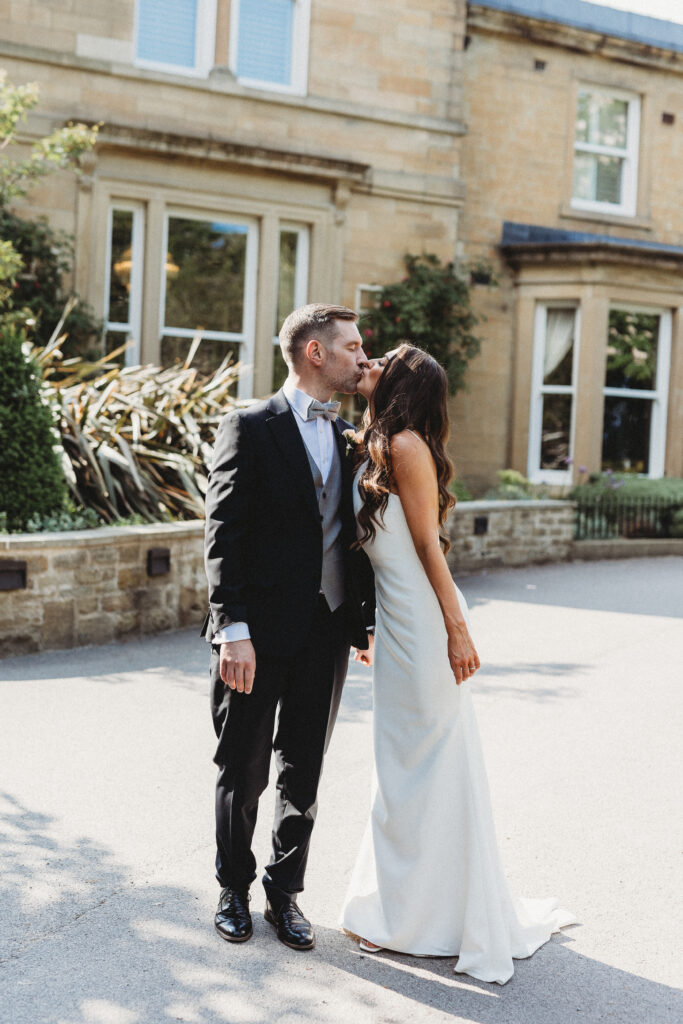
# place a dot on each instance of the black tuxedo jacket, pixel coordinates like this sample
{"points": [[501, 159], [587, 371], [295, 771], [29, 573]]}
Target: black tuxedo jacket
{"points": [[263, 548]]}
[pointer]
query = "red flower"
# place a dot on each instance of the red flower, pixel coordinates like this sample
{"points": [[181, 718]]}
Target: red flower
{"points": [[386, 303], [368, 332]]}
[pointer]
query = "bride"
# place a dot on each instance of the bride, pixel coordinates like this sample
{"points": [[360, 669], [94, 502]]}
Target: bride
{"points": [[427, 880]]}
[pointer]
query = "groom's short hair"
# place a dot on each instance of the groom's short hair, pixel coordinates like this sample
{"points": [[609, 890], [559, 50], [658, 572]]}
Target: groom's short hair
{"points": [[316, 320]]}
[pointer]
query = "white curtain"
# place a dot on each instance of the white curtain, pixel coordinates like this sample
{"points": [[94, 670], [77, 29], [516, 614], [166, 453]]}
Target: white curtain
{"points": [[559, 338]]}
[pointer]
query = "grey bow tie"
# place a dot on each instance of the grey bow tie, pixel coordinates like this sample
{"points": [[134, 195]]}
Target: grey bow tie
{"points": [[328, 410]]}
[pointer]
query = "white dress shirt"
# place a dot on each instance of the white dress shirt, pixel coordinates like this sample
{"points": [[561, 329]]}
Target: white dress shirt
{"points": [[318, 436]]}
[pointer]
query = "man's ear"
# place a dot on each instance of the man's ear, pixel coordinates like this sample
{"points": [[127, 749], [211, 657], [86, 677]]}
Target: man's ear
{"points": [[314, 352]]}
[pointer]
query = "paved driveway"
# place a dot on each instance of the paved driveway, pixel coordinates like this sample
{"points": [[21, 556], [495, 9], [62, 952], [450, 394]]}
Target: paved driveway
{"points": [[106, 785]]}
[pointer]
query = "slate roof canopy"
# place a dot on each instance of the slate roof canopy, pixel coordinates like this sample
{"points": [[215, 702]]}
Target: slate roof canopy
{"points": [[639, 28]]}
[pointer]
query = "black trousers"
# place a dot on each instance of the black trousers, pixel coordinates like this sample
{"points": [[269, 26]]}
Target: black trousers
{"points": [[306, 688]]}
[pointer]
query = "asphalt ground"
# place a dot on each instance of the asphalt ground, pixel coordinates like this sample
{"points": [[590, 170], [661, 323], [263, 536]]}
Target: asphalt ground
{"points": [[107, 891]]}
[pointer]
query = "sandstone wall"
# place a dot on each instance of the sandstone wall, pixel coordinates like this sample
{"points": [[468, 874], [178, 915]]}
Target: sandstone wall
{"points": [[92, 586]]}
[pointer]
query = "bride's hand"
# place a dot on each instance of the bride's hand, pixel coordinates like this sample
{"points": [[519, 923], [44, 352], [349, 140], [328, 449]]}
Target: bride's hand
{"points": [[365, 657], [462, 653]]}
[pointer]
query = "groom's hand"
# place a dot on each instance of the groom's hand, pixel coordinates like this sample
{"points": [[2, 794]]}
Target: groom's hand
{"points": [[238, 665]]}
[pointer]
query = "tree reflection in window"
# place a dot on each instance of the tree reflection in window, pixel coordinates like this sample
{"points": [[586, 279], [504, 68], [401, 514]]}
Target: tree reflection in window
{"points": [[205, 275], [632, 350]]}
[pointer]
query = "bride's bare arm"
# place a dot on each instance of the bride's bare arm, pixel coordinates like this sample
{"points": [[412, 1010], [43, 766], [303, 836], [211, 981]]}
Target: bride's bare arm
{"points": [[415, 481]]}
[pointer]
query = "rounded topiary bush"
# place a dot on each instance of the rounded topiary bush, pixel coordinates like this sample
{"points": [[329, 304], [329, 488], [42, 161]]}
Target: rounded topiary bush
{"points": [[31, 478]]}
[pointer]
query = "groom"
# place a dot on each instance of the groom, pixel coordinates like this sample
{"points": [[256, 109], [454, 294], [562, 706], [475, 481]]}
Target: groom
{"points": [[287, 598]]}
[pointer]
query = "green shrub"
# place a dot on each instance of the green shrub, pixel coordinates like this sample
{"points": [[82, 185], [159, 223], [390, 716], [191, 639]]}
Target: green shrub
{"points": [[458, 488], [31, 477], [430, 307], [514, 486], [38, 288], [627, 486], [69, 518]]}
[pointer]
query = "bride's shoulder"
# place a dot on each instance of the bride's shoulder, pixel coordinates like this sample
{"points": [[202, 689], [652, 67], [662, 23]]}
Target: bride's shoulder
{"points": [[407, 442]]}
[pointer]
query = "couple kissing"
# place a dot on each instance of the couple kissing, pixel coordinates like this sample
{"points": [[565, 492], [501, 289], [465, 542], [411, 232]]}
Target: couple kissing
{"points": [[314, 546]]}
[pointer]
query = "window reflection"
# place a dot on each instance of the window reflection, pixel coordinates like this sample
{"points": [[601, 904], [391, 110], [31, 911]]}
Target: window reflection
{"points": [[632, 350], [205, 275]]}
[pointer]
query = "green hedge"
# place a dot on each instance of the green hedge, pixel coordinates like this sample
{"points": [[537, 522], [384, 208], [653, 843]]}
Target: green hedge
{"points": [[627, 486], [31, 479]]}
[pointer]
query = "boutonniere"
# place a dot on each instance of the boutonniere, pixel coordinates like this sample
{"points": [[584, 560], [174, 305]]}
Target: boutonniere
{"points": [[351, 438]]}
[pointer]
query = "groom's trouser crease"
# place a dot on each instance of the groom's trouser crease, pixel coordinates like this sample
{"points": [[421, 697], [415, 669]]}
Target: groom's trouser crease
{"points": [[307, 687]]}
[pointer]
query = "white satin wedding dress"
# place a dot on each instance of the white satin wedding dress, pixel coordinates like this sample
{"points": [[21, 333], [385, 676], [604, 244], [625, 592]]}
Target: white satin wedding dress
{"points": [[428, 879]]}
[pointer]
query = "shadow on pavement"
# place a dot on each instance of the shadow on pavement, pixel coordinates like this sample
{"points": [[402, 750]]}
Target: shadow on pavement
{"points": [[637, 586], [181, 655], [82, 945]]}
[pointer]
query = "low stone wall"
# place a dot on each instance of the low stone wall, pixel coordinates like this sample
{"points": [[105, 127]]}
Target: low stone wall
{"points": [[485, 534], [93, 586]]}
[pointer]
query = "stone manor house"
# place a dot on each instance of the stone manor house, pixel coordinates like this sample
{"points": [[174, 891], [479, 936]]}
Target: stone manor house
{"points": [[258, 154]]}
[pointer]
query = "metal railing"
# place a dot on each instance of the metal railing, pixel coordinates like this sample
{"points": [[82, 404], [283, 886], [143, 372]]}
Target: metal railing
{"points": [[605, 517]]}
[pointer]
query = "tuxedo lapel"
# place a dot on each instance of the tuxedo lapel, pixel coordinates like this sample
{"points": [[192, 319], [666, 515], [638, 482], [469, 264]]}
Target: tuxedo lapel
{"points": [[347, 476], [288, 438]]}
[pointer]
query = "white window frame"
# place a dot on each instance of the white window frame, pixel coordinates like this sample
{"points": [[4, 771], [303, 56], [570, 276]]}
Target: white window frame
{"points": [[660, 394], [245, 339], [298, 85], [629, 177], [539, 389], [301, 271], [133, 327], [370, 289], [205, 44]]}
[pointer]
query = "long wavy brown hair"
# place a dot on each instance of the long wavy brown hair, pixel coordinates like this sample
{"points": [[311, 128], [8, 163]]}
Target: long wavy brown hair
{"points": [[411, 394]]}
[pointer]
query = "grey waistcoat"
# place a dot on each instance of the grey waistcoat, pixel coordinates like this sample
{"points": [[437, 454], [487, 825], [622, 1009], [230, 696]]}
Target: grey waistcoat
{"points": [[329, 502]]}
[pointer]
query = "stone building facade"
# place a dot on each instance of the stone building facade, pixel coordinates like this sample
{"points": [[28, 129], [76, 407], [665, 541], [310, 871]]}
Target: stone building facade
{"points": [[572, 162], [253, 155], [258, 154]]}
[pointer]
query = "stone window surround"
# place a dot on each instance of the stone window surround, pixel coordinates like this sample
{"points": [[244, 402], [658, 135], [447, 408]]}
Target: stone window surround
{"points": [[300, 46], [597, 282], [628, 206], [323, 224], [205, 47]]}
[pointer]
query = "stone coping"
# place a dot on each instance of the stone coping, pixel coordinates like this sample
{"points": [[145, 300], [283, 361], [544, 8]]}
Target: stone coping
{"points": [[192, 527], [493, 505], [101, 535]]}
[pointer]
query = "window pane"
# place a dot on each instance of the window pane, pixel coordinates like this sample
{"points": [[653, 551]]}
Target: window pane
{"points": [[559, 346], [597, 178], [264, 49], [626, 434], [632, 350], [601, 120], [280, 368], [114, 340], [205, 273], [286, 282], [121, 266], [167, 31], [555, 432], [207, 358]]}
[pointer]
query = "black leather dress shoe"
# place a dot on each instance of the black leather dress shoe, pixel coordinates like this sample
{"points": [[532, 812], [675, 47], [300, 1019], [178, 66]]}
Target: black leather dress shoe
{"points": [[233, 920], [290, 924]]}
